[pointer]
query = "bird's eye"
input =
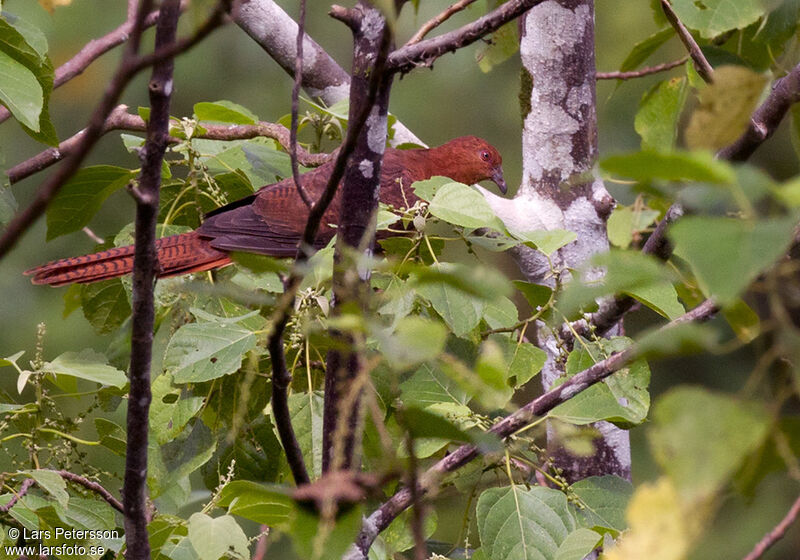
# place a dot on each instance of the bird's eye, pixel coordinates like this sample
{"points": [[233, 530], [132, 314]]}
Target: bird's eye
{"points": [[485, 155]]}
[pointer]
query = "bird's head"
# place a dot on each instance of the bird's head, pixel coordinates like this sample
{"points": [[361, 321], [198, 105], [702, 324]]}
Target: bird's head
{"points": [[473, 159]]}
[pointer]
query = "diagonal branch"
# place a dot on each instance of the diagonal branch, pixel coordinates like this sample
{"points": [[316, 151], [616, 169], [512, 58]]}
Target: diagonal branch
{"points": [[94, 487], [400, 501], [130, 65], [436, 21], [775, 534], [701, 64], [642, 72], [298, 80]]}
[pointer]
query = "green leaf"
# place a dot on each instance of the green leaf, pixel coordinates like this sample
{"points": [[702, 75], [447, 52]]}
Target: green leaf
{"points": [[169, 413], [20, 91], [727, 254], [52, 483], [525, 361], [105, 305], [672, 166], [657, 118], [265, 504], [430, 385], [643, 49], [461, 205], [605, 499], [515, 523], [34, 36], [398, 536], [625, 221], [428, 188], [306, 412], [315, 538], [81, 197], [700, 438], [501, 314], [679, 339], [415, 340], [725, 107], [547, 241], [202, 351], [213, 538], [422, 423], [578, 544], [111, 435], [474, 280], [621, 398], [502, 45], [536, 294], [88, 365], [225, 112], [713, 17], [460, 311]]}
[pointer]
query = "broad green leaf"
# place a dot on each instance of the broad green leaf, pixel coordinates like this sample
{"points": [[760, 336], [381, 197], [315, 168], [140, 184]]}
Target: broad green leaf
{"points": [[169, 413], [269, 505], [725, 108], [225, 112], [202, 351], [502, 45], [398, 536], [315, 538], [88, 365], [713, 17], [547, 241], [684, 338], [621, 398], [742, 320], [671, 166], [604, 499], [52, 483], [643, 49], [306, 412], [423, 423], [459, 310], [428, 188], [523, 358], [657, 118], [727, 254], [578, 544], [20, 92], [105, 305], [627, 220], [430, 385], [501, 313], [213, 538], [90, 514], [415, 340], [461, 205], [34, 36], [474, 280], [81, 197], [111, 435], [516, 523], [258, 159], [700, 438], [536, 294]]}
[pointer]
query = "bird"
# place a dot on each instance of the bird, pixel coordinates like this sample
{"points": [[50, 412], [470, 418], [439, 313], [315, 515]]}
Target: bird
{"points": [[271, 220]]}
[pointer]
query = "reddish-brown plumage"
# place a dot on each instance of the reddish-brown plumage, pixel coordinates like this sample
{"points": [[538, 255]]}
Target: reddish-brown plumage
{"points": [[271, 221]]}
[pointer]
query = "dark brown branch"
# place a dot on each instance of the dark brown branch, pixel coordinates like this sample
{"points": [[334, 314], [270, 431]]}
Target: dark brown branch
{"points": [[145, 269], [437, 20], [23, 489], [642, 72], [92, 51], [704, 69], [775, 534], [130, 65], [280, 375], [120, 119], [765, 119], [389, 510], [94, 487], [425, 52], [298, 80]]}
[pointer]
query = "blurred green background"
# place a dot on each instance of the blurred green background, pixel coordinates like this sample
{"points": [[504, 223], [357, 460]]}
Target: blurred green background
{"points": [[455, 99]]}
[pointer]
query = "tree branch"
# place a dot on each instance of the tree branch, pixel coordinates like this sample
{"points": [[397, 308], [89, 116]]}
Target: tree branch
{"points": [[298, 80], [775, 534], [94, 487], [23, 489], [436, 21], [130, 65], [425, 52], [704, 69], [120, 119], [642, 72], [145, 269], [535, 409]]}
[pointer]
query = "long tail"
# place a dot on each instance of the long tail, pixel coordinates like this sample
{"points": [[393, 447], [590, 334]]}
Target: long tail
{"points": [[177, 254]]}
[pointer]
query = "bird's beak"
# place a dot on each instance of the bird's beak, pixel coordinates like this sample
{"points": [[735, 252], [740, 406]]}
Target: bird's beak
{"points": [[497, 177]]}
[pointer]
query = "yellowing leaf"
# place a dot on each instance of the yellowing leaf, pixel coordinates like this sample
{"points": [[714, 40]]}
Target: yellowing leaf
{"points": [[51, 5], [725, 107]]}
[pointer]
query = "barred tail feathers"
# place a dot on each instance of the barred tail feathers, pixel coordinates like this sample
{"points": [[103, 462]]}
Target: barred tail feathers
{"points": [[177, 254]]}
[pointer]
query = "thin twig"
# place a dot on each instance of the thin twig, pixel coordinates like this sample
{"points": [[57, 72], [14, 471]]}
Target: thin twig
{"points": [[145, 269], [94, 487], [298, 80], [427, 51], [23, 489], [641, 72], [535, 409], [130, 65], [776, 533], [701, 64], [120, 119], [436, 21]]}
